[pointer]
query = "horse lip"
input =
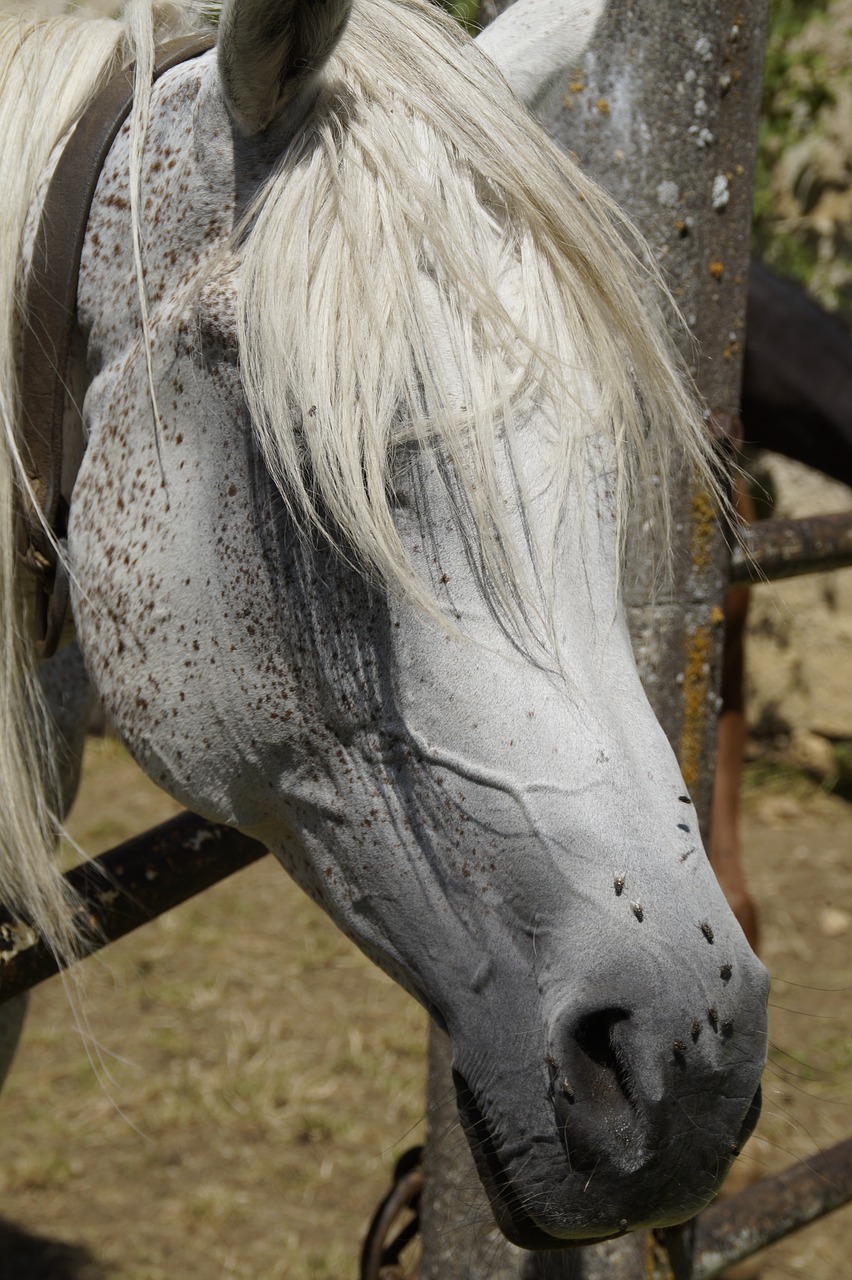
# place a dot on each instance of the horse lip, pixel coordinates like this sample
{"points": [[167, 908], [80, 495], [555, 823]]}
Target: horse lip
{"points": [[513, 1220], [515, 1224]]}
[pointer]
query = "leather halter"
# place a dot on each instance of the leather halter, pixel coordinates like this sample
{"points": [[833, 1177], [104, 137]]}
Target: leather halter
{"points": [[49, 323]]}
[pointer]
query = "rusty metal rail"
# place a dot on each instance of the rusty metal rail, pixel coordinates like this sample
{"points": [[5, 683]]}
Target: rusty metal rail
{"points": [[775, 1207], [774, 549], [128, 887]]}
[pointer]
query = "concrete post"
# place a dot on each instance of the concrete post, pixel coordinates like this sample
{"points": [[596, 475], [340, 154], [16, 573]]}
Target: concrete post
{"points": [[664, 113]]}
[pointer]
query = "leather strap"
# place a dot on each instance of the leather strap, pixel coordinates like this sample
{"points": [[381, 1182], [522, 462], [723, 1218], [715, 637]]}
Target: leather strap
{"points": [[50, 310]]}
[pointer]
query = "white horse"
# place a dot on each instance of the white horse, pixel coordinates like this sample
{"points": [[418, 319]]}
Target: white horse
{"points": [[366, 386]]}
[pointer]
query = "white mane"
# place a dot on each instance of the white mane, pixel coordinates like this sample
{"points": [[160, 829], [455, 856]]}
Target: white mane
{"points": [[50, 68], [415, 160]]}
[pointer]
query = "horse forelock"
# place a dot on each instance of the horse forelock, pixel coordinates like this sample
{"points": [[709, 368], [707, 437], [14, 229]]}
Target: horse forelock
{"points": [[424, 266]]}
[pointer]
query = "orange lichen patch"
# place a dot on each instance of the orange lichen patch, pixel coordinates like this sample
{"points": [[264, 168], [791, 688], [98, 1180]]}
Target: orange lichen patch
{"points": [[602, 106], [576, 86], [716, 269], [567, 101], [696, 703], [700, 645], [703, 523]]}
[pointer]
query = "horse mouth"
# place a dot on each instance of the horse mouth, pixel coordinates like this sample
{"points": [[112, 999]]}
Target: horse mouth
{"points": [[507, 1205], [512, 1218]]}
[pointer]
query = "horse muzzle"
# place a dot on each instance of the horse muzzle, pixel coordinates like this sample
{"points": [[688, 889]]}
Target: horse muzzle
{"points": [[637, 1125]]}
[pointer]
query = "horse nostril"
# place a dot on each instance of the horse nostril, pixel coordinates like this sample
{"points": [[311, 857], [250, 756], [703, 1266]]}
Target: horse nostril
{"points": [[606, 1064], [593, 1092]]}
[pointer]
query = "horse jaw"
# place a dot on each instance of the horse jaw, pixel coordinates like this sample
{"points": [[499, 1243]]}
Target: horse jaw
{"points": [[271, 51], [535, 43]]}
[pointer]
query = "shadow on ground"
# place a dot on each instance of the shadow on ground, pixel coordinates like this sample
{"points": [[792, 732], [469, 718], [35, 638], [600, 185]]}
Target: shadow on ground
{"points": [[24, 1256]]}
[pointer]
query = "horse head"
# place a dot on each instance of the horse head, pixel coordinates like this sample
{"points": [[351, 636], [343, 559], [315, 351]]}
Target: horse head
{"points": [[352, 584]]}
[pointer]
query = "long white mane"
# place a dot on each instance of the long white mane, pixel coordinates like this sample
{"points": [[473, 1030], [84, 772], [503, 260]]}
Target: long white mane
{"points": [[416, 162], [50, 68]]}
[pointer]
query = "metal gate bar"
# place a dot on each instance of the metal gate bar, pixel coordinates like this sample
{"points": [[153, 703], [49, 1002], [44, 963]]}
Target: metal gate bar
{"points": [[126, 887], [773, 549], [731, 1230]]}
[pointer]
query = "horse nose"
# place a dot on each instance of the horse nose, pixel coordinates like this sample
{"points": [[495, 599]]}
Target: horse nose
{"points": [[623, 1082]]}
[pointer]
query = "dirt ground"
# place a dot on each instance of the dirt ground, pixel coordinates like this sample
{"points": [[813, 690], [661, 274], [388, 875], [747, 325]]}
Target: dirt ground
{"points": [[224, 1094]]}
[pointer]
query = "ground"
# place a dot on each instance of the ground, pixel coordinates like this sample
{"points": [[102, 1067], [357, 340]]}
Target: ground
{"points": [[226, 1092]]}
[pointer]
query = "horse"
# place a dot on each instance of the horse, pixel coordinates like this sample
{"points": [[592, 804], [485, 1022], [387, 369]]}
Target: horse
{"points": [[365, 382]]}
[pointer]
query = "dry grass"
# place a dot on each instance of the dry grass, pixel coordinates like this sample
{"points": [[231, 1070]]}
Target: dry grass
{"points": [[240, 1080], [236, 1090]]}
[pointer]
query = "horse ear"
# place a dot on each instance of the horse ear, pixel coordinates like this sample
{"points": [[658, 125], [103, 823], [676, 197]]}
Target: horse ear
{"points": [[269, 50], [535, 43]]}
